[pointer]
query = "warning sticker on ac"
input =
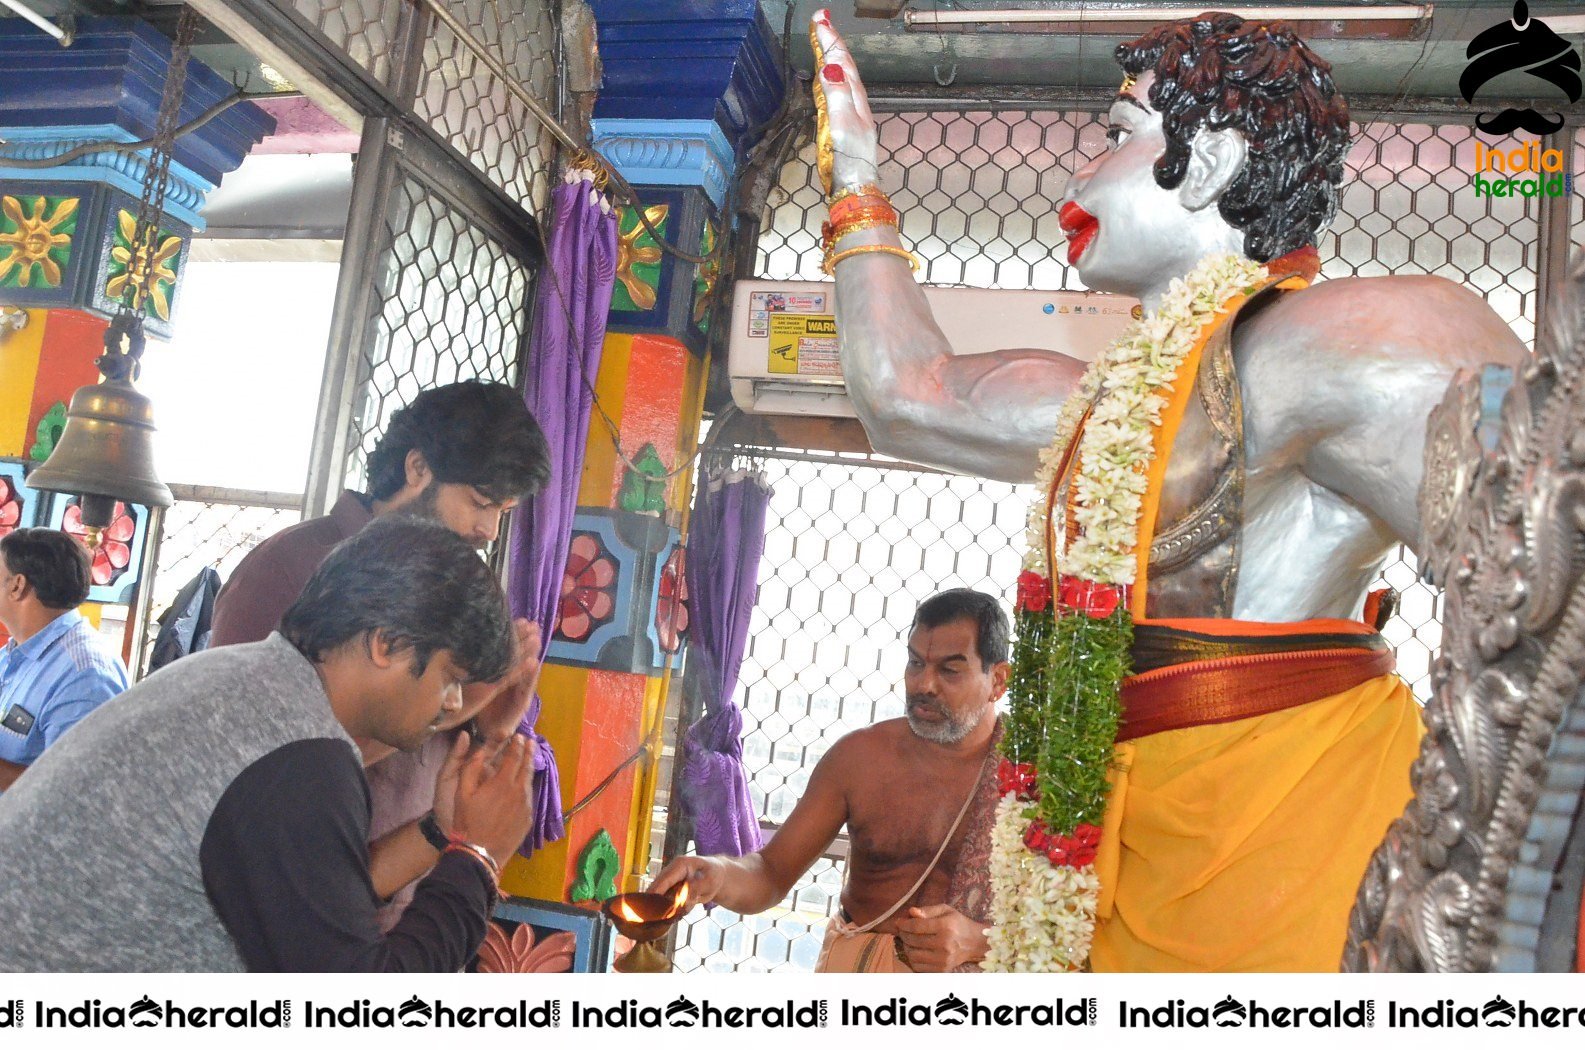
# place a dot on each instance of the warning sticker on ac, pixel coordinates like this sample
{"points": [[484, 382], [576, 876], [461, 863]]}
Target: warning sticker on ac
{"points": [[804, 345]]}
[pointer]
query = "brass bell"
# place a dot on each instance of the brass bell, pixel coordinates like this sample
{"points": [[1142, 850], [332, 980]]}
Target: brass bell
{"points": [[105, 453]]}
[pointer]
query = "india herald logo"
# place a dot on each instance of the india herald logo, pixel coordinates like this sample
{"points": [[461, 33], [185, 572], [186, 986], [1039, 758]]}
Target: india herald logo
{"points": [[415, 1013], [145, 1013], [1522, 44]]}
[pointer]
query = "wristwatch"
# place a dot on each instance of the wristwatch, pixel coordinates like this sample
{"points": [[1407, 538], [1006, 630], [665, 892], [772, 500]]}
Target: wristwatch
{"points": [[429, 825]]}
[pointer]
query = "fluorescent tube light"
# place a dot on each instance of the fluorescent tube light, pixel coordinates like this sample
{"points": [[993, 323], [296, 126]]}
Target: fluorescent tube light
{"points": [[37, 19], [916, 19]]}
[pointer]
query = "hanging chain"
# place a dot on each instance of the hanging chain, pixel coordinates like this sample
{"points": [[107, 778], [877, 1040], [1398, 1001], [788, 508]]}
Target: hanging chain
{"points": [[124, 340], [151, 205]]}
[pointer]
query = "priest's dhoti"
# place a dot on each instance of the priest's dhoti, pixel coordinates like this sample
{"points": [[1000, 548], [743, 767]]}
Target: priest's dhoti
{"points": [[858, 953]]}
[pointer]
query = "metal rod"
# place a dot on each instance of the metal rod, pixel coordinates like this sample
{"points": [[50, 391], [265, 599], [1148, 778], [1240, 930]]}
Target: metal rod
{"points": [[39, 20], [1553, 236], [460, 31], [236, 497], [623, 190], [345, 374], [771, 452], [136, 652], [1083, 13]]}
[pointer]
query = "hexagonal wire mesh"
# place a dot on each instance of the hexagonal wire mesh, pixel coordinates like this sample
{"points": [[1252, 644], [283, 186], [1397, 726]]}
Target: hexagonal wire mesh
{"points": [[216, 528], [366, 31], [852, 545], [450, 304], [852, 548], [467, 104], [454, 91]]}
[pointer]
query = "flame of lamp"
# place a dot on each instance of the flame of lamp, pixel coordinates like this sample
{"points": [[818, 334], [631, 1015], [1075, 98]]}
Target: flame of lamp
{"points": [[643, 918]]}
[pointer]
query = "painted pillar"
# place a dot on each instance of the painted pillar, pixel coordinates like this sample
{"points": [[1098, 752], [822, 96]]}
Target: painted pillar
{"points": [[65, 233], [684, 92]]}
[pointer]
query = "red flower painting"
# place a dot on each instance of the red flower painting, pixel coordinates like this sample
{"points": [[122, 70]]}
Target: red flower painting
{"points": [[10, 506], [113, 554], [588, 589], [671, 609]]}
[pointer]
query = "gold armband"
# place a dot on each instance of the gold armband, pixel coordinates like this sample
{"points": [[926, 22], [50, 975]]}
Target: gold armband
{"points": [[869, 189], [903, 253]]}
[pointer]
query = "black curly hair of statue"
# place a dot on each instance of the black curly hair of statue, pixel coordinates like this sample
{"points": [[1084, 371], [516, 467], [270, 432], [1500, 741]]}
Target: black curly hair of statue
{"points": [[1258, 78]]}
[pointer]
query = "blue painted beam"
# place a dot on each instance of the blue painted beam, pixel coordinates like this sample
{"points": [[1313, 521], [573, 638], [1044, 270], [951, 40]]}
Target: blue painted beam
{"points": [[113, 74], [689, 60]]}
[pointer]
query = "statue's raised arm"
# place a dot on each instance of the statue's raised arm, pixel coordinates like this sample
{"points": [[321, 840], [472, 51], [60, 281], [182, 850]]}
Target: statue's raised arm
{"points": [[1226, 140], [986, 414]]}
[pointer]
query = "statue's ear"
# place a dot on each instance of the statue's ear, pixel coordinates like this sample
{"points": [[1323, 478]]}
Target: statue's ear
{"points": [[1215, 159]]}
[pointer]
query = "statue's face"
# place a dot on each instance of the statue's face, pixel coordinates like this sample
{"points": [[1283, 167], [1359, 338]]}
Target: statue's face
{"points": [[1125, 233]]}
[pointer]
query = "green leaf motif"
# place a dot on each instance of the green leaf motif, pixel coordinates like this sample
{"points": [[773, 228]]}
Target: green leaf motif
{"points": [[598, 864], [49, 430], [644, 483]]}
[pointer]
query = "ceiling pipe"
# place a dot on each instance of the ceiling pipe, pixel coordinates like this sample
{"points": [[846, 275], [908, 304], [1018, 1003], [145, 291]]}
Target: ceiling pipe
{"points": [[61, 35]]}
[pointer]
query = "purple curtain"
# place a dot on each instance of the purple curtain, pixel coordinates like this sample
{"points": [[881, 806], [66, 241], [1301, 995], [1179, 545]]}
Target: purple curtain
{"points": [[726, 537], [574, 297]]}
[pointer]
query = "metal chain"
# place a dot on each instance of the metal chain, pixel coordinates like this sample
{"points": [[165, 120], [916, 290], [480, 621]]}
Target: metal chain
{"points": [[151, 203]]}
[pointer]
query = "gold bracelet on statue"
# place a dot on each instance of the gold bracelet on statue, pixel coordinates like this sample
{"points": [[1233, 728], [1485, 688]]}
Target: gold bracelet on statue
{"points": [[849, 208], [904, 253], [869, 189], [832, 236]]}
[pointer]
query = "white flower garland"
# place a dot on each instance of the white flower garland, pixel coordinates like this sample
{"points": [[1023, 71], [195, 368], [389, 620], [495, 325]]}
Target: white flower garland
{"points": [[1044, 914], [1053, 936], [1115, 450]]}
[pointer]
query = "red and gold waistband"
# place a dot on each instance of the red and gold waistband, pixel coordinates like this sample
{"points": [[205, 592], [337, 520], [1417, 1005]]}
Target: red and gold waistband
{"points": [[1202, 672]]}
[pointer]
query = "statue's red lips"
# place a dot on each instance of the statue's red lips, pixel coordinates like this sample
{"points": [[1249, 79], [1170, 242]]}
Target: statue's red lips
{"points": [[1081, 228]]}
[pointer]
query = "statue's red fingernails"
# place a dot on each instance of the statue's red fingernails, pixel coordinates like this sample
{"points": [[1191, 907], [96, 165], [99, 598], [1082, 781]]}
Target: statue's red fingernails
{"points": [[833, 73], [823, 16]]}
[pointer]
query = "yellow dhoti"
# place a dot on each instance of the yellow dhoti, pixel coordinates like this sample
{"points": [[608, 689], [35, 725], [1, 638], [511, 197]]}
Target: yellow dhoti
{"points": [[1240, 845]]}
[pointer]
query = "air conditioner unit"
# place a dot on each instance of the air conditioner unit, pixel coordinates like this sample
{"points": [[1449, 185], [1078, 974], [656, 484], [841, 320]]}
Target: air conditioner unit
{"points": [[783, 351]]}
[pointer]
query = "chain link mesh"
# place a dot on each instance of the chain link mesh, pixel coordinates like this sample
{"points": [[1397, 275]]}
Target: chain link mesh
{"points": [[451, 304], [365, 31], [852, 548], [467, 104], [217, 533], [454, 91]]}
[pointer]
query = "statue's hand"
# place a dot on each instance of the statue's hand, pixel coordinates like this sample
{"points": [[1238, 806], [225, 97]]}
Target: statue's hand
{"points": [[845, 136]]}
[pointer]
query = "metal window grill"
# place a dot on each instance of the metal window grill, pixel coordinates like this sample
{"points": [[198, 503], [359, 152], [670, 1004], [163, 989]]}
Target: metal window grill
{"points": [[451, 89], [449, 304], [366, 31], [465, 102], [213, 527], [977, 191], [853, 545], [437, 267]]}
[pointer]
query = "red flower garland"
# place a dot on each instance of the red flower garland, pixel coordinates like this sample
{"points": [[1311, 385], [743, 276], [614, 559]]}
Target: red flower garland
{"points": [[1034, 592], [1095, 600], [1071, 851]]}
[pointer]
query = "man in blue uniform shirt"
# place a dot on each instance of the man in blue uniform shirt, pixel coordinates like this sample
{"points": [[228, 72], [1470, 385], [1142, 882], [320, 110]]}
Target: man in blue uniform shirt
{"points": [[53, 671]]}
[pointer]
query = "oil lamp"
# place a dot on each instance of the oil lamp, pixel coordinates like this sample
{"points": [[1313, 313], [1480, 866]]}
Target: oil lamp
{"points": [[644, 919]]}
